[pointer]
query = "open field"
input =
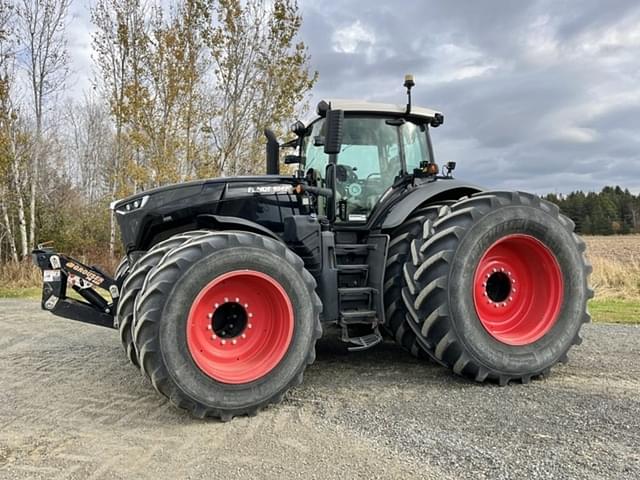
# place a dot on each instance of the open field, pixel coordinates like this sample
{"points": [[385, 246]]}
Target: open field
{"points": [[616, 266], [620, 248]]}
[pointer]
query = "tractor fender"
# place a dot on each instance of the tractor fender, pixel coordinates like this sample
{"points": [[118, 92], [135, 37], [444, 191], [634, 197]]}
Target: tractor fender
{"points": [[448, 189], [221, 222]]}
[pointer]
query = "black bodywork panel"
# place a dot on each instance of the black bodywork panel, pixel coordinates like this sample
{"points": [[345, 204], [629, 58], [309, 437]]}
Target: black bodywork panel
{"points": [[265, 201], [267, 205]]}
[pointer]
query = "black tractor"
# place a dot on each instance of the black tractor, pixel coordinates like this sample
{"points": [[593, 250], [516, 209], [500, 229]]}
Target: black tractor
{"points": [[228, 283]]}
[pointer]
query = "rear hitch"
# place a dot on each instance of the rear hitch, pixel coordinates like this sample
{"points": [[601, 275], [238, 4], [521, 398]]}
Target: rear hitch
{"points": [[58, 271]]}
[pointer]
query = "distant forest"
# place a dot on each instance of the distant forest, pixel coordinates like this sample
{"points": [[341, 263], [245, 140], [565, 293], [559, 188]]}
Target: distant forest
{"points": [[611, 211]]}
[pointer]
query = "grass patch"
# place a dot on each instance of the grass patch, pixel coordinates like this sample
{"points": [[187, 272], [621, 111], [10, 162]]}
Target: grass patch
{"points": [[21, 292], [614, 310]]}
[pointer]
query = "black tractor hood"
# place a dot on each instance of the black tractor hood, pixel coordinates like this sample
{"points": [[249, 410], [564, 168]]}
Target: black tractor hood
{"points": [[187, 189]]}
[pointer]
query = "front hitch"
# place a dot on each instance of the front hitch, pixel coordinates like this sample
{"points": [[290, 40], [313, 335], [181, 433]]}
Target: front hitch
{"points": [[57, 270]]}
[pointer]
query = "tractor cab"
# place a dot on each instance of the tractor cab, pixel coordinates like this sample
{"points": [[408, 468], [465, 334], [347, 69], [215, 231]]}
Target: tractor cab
{"points": [[380, 144]]}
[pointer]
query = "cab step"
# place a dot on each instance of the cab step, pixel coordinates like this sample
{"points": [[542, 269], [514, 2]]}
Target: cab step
{"points": [[362, 342]]}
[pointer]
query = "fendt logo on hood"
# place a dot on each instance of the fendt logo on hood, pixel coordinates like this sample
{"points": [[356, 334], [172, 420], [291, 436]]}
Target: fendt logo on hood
{"points": [[270, 189]]}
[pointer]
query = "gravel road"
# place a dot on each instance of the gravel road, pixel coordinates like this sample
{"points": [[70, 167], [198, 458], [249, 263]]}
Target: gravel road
{"points": [[71, 407]]}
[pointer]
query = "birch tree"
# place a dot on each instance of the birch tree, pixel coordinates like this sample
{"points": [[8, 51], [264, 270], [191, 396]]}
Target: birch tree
{"points": [[8, 118], [119, 43], [41, 25]]}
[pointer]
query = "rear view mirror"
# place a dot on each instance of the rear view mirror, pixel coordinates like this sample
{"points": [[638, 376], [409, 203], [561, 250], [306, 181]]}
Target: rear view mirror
{"points": [[333, 137]]}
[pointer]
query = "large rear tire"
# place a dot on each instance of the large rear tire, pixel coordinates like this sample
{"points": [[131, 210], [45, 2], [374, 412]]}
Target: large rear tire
{"points": [[227, 323], [133, 284], [497, 287], [398, 253]]}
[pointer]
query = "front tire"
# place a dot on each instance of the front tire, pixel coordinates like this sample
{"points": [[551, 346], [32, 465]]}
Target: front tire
{"points": [[226, 324], [133, 282], [497, 287]]}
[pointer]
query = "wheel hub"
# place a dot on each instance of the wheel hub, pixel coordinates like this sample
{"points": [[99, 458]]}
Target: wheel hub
{"points": [[518, 289], [240, 326], [229, 320]]}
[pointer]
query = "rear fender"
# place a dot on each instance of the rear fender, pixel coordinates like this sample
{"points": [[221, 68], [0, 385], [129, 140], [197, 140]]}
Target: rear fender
{"points": [[428, 193]]}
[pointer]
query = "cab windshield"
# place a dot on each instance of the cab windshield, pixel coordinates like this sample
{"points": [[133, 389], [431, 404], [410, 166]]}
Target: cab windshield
{"points": [[375, 151]]}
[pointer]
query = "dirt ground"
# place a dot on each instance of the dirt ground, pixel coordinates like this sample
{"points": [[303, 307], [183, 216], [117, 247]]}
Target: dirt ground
{"points": [[71, 407]]}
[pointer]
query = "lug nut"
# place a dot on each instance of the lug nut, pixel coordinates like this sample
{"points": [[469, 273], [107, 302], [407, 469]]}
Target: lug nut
{"points": [[223, 341], [209, 327], [244, 335], [210, 316], [226, 299], [213, 337], [246, 305], [250, 315], [216, 305], [249, 325], [234, 341], [237, 300]]}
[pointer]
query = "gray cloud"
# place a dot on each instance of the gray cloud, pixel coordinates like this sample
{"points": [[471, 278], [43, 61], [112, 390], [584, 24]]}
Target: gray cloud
{"points": [[542, 96]]}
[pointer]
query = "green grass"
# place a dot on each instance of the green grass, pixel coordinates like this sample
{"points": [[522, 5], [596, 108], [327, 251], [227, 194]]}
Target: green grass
{"points": [[11, 292], [602, 311], [615, 310]]}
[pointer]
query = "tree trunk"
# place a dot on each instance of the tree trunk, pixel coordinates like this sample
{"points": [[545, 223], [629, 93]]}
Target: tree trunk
{"points": [[7, 225], [22, 221], [34, 186], [112, 234]]}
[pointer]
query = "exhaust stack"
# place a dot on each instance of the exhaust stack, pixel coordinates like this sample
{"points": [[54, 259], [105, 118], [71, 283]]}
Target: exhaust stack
{"points": [[273, 152]]}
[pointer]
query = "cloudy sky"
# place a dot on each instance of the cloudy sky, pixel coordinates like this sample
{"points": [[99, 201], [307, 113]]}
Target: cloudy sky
{"points": [[539, 95]]}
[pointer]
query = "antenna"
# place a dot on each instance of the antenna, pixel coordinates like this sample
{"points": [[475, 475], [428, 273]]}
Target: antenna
{"points": [[409, 83]]}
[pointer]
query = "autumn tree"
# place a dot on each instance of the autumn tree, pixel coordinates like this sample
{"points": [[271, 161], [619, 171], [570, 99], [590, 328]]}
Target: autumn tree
{"points": [[41, 25], [260, 72], [119, 43], [11, 141]]}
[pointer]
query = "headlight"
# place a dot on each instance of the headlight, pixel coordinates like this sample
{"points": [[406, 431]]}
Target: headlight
{"points": [[128, 207]]}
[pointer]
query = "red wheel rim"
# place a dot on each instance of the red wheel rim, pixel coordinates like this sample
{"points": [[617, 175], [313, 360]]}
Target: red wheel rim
{"points": [[518, 290], [240, 326]]}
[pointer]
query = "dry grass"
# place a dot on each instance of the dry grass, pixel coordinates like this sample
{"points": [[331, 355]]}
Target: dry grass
{"points": [[25, 275], [616, 266], [19, 275]]}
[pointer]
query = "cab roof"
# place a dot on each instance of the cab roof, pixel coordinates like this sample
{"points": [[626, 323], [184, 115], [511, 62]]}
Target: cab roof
{"points": [[361, 106]]}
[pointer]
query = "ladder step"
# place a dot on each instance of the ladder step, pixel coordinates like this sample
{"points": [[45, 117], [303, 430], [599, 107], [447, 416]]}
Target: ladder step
{"points": [[353, 267], [353, 248], [356, 291], [362, 343], [350, 315]]}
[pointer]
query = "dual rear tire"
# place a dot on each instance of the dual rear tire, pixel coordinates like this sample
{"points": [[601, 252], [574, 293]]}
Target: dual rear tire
{"points": [[493, 287]]}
